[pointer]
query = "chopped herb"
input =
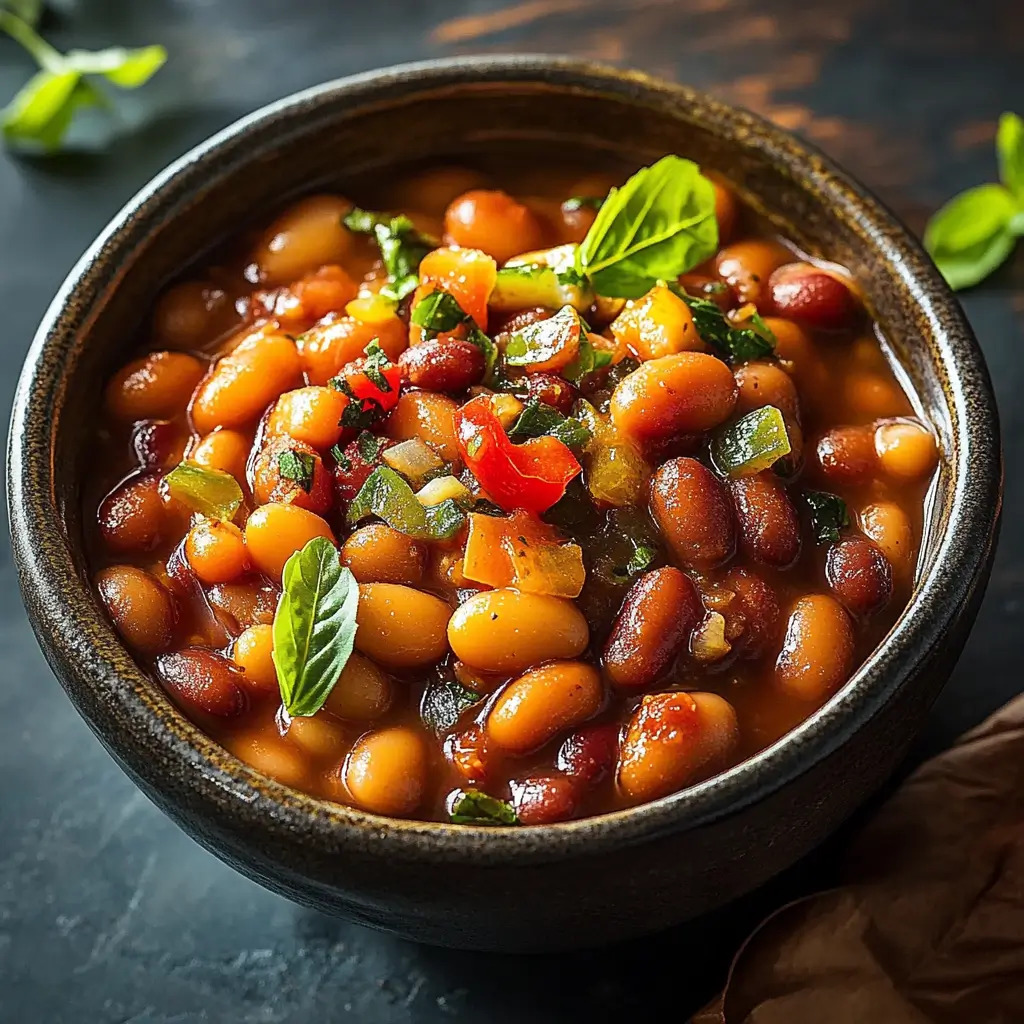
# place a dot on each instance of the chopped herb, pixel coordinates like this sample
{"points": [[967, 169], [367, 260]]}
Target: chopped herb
{"points": [[575, 203], [735, 344], [642, 557], [388, 495], [488, 508], [361, 414], [829, 515], [341, 458], [342, 385], [402, 248], [589, 360], [440, 312], [376, 363], [538, 418], [754, 443], [444, 700], [207, 491], [297, 466], [369, 445], [538, 342], [471, 807]]}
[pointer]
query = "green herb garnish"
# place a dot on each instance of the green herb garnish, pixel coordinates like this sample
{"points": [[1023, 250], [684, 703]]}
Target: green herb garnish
{"points": [[975, 232], [734, 344], [42, 111], [209, 492], [388, 495], [538, 418], [588, 360], [642, 557], [440, 312], [829, 515], [752, 444], [471, 807], [297, 466], [361, 414], [443, 702], [376, 363], [341, 458], [369, 446], [314, 626], [402, 248]]}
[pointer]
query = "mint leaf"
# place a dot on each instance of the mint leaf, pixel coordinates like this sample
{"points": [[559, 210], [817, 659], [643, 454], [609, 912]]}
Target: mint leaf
{"points": [[314, 626], [658, 225], [1010, 150], [440, 312]]}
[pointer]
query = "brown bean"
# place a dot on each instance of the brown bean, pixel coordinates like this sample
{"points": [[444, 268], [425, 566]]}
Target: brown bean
{"points": [[272, 756], [906, 450], [686, 393], [746, 267], [653, 627], [752, 617], [692, 508], [859, 575], [443, 365], [811, 295], [493, 221], [427, 416], [274, 532], [551, 390], [241, 605], [889, 527], [379, 554], [386, 771], [846, 455], [304, 237], [544, 799], [141, 608], [159, 444], [191, 314], [795, 349], [400, 627], [541, 703], [202, 680], [768, 523], [253, 654], [674, 740], [132, 516], [817, 652], [155, 387], [363, 690], [321, 735], [588, 755]]}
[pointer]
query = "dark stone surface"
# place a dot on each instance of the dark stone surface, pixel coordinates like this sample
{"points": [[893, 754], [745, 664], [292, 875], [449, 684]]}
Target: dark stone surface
{"points": [[107, 912]]}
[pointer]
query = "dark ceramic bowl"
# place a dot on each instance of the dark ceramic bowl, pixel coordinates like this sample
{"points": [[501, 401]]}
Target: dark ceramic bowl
{"points": [[583, 882]]}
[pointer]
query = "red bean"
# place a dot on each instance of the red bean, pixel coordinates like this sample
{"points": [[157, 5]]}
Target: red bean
{"points": [[141, 608], [846, 455], [158, 444], [551, 390], [443, 365], [131, 517], [201, 680], [816, 297], [859, 575], [241, 605], [652, 628], [692, 508], [588, 754], [752, 617], [769, 525], [544, 799]]}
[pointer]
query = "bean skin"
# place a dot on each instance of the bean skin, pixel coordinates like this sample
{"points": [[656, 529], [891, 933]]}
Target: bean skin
{"points": [[544, 799], [201, 680], [817, 652], [588, 755], [386, 771], [443, 365], [846, 455], [811, 295], [141, 608], [752, 618], [653, 627], [692, 508], [768, 523], [400, 627], [859, 575]]}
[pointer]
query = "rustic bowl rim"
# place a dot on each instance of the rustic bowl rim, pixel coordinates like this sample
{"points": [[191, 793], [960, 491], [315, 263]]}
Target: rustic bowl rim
{"points": [[65, 610]]}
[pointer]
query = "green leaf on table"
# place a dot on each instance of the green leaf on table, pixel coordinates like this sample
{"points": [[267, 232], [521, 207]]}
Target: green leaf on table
{"points": [[29, 11], [471, 807], [209, 492], [314, 626], [127, 69], [1010, 150]]}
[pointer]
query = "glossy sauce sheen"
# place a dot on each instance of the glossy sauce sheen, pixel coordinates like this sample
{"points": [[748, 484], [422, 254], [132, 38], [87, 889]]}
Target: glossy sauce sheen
{"points": [[585, 704]]}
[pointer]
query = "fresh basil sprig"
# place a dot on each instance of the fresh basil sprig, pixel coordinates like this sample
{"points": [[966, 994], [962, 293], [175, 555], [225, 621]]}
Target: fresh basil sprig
{"points": [[314, 626], [42, 111], [975, 232], [658, 225], [402, 248]]}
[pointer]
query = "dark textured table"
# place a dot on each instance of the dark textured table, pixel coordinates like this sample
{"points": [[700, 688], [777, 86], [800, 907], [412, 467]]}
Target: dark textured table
{"points": [[107, 912]]}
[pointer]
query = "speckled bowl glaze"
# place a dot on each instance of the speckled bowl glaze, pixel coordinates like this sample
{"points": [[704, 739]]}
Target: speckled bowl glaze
{"points": [[583, 882]]}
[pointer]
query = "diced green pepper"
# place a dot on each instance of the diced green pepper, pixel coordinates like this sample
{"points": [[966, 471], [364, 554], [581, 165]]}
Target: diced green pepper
{"points": [[209, 492], [752, 444], [389, 496]]}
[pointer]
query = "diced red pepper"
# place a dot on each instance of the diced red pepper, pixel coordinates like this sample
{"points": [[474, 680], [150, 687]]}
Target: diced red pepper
{"points": [[532, 475], [353, 468], [369, 388]]}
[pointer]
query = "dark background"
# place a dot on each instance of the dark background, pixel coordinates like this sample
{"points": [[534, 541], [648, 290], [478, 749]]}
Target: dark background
{"points": [[107, 912]]}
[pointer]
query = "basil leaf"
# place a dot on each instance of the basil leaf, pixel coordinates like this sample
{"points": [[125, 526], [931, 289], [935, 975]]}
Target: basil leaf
{"points": [[658, 225], [538, 418], [376, 363], [443, 702], [541, 341], [314, 626], [127, 69], [1010, 150], [207, 491], [388, 495], [298, 466], [471, 807], [735, 344], [829, 515], [341, 458], [402, 248], [589, 360], [752, 444], [29, 11]]}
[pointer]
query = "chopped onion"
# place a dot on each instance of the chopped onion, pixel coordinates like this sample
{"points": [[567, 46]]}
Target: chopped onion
{"points": [[441, 489], [414, 459], [709, 643]]}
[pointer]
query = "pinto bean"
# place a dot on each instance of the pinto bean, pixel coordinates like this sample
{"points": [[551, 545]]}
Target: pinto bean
{"points": [[443, 365], [202, 680], [544, 799], [752, 617], [768, 522], [246, 603], [307, 235], [400, 627], [311, 415], [274, 532], [141, 608], [653, 627], [859, 575], [692, 508], [386, 771], [817, 652], [378, 554], [428, 416]]}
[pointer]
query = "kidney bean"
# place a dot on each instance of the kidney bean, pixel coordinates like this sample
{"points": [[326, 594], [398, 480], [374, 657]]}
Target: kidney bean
{"points": [[443, 365], [588, 754], [386, 771], [141, 608], [244, 604], [653, 627], [132, 516], [811, 295], [400, 627], [674, 740], [201, 680], [768, 523], [684, 393], [158, 444], [859, 575], [752, 617], [544, 799], [692, 508], [746, 267], [846, 455], [817, 652], [155, 387], [551, 390], [466, 751], [541, 703], [889, 527], [378, 554]]}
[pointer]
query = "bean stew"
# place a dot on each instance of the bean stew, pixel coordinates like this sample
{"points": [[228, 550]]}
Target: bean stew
{"points": [[507, 497]]}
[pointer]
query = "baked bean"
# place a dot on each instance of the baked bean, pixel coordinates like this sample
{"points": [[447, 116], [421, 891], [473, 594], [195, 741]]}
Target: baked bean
{"points": [[859, 575], [244, 604], [588, 754], [493, 222], [226, 450], [905, 449], [427, 416], [576, 221], [889, 527], [274, 532], [746, 267], [363, 690], [652, 628], [817, 652], [813, 296], [443, 364], [466, 751], [681, 394], [272, 756], [270, 482], [759, 384], [320, 735], [544, 799], [245, 382], [155, 387], [800, 359], [769, 527], [191, 314], [551, 390], [752, 617], [253, 654], [216, 551], [703, 287], [506, 630], [159, 444], [132, 516], [204, 681], [674, 740], [400, 627], [692, 508], [846, 455], [658, 324], [311, 415], [142, 610], [541, 703], [327, 348], [306, 236], [378, 554], [386, 771], [726, 209], [873, 395]]}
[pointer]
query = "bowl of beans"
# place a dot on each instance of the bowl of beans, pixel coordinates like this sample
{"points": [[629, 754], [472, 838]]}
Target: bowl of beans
{"points": [[511, 502]]}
